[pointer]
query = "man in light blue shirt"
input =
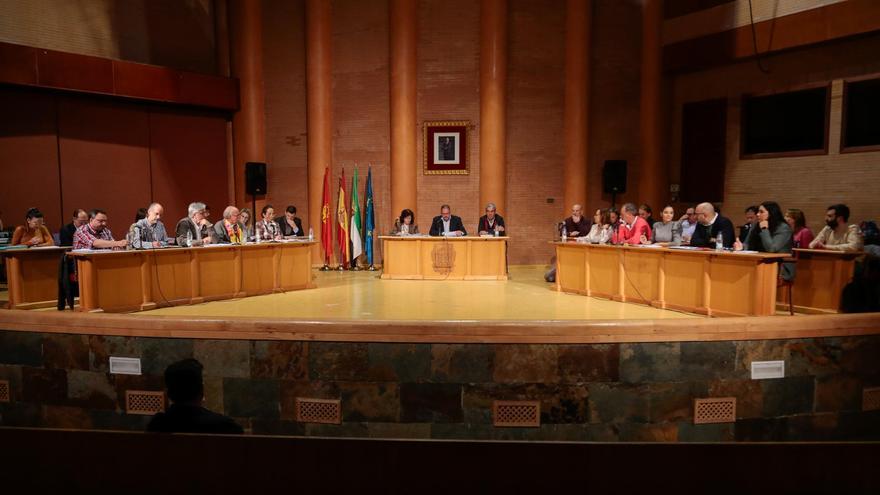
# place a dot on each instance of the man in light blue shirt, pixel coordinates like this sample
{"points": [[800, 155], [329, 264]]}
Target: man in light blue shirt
{"points": [[149, 232]]}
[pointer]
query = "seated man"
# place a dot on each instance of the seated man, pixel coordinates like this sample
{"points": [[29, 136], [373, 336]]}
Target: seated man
{"points": [[186, 389], [491, 223], [290, 224], [95, 234], [634, 229], [80, 217], [577, 225], [447, 224], [648, 214], [836, 235], [711, 224], [229, 231], [751, 217], [149, 232], [189, 230], [688, 224]]}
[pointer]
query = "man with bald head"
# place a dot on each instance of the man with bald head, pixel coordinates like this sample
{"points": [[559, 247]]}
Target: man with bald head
{"points": [[577, 225], [229, 231], [149, 232], [709, 225]]}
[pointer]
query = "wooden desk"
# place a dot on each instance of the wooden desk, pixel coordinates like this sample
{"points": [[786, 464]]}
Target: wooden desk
{"points": [[820, 276], [705, 282], [116, 281], [444, 258], [32, 276]]}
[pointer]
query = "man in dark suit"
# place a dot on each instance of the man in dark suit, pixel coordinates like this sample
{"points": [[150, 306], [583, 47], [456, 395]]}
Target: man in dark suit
{"points": [[186, 389], [709, 225], [447, 224], [490, 223], [80, 218], [751, 218], [290, 224]]}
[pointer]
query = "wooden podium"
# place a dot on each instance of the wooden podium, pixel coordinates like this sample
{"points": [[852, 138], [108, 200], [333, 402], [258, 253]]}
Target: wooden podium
{"points": [[819, 279], [32, 276], [444, 258]]}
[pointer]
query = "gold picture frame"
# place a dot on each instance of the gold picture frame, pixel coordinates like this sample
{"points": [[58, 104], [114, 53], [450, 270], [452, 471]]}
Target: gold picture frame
{"points": [[445, 147]]}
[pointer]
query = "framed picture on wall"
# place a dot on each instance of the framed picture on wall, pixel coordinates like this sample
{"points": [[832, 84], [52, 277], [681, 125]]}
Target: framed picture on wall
{"points": [[445, 147]]}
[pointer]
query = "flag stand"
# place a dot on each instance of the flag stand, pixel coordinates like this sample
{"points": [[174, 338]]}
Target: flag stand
{"points": [[340, 268], [372, 268], [325, 268], [355, 267]]}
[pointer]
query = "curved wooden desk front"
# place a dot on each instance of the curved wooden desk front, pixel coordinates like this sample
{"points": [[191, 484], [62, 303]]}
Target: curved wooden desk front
{"points": [[820, 277], [32, 276], [444, 258], [116, 281], [705, 282]]}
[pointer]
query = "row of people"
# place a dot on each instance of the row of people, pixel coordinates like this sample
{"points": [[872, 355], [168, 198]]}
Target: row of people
{"points": [[447, 224]]}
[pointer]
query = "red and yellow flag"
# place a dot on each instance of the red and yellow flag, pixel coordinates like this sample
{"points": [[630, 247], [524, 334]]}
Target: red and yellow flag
{"points": [[326, 220], [342, 223]]}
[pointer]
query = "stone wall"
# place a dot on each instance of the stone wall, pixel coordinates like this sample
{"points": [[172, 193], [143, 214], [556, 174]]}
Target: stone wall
{"points": [[605, 392]]}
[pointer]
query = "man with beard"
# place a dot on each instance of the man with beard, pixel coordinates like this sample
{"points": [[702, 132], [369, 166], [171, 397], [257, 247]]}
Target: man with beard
{"points": [[837, 235]]}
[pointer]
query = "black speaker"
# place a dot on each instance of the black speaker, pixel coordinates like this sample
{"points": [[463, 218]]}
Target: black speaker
{"points": [[255, 178], [614, 177]]}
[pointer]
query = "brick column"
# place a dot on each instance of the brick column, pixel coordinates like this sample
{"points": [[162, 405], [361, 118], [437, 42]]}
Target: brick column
{"points": [[493, 100], [577, 89], [404, 126]]}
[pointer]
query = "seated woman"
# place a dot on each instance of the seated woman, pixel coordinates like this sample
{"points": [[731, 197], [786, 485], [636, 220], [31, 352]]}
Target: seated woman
{"points": [[769, 234], [802, 236], [667, 232], [33, 232], [600, 232], [244, 217], [405, 224], [267, 229]]}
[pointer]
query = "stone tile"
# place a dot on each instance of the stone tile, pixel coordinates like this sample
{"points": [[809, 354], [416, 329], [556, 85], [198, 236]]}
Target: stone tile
{"points": [[817, 357], [66, 351], [464, 431], [44, 386], [651, 362], [399, 430], [674, 401], [618, 403], [67, 417], [21, 348], [430, 402], [290, 390], [462, 363], [570, 433], [118, 420], [757, 350], [159, 353], [22, 414], [858, 426], [640, 432], [214, 394], [717, 432], [224, 358], [12, 374], [760, 429], [840, 392], [347, 430], [245, 398], [859, 355], [812, 428], [559, 403], [399, 362], [363, 401], [589, 363], [708, 361], [261, 426], [338, 361], [91, 390], [284, 359], [136, 382], [749, 395], [101, 347], [526, 364], [786, 396]]}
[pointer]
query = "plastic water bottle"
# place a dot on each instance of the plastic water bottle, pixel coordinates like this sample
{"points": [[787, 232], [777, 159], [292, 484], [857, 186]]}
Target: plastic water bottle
{"points": [[564, 234], [719, 242], [189, 238], [311, 234], [496, 232], [259, 235]]}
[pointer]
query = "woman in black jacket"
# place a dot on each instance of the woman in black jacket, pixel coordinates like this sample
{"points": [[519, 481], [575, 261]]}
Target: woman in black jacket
{"points": [[770, 234]]}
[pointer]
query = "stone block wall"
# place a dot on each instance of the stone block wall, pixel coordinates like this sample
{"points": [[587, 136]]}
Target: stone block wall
{"points": [[605, 392]]}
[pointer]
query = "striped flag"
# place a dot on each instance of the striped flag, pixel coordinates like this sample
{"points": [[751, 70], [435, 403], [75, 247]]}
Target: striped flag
{"points": [[342, 223], [357, 247], [326, 220], [369, 216]]}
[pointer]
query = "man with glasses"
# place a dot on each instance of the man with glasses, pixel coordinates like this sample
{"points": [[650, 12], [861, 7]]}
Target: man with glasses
{"points": [[190, 231], [688, 224], [95, 234], [577, 225], [229, 231], [491, 223]]}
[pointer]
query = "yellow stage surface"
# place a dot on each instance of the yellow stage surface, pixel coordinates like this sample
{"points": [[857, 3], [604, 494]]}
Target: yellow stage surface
{"points": [[363, 296]]}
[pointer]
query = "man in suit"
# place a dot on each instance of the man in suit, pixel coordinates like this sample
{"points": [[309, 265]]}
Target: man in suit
{"points": [[447, 224], [751, 217], [80, 218], [491, 222], [290, 224], [192, 225], [710, 225], [229, 231]]}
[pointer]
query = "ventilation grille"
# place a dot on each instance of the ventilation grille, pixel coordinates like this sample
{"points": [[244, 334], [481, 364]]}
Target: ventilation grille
{"points": [[5, 392], [516, 413], [871, 399], [144, 402], [720, 410], [328, 411]]}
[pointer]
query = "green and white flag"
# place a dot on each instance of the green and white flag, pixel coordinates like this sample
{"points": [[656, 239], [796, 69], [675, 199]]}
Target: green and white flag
{"points": [[355, 231]]}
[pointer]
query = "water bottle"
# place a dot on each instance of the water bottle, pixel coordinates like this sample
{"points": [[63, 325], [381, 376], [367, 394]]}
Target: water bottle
{"points": [[496, 232], [311, 234], [189, 238], [259, 235], [719, 242], [564, 234]]}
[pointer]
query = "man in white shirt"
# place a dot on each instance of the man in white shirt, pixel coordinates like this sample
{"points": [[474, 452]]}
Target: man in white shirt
{"points": [[447, 224]]}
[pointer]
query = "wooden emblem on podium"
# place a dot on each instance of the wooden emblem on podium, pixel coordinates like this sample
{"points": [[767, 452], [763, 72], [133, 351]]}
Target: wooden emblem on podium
{"points": [[443, 258]]}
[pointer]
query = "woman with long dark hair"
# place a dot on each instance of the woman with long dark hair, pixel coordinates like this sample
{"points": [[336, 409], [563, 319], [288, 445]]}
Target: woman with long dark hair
{"points": [[770, 234]]}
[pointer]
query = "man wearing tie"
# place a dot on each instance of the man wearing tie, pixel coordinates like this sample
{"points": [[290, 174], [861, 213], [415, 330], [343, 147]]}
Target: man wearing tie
{"points": [[447, 224]]}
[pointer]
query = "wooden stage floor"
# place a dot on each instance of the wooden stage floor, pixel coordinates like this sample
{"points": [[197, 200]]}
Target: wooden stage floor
{"points": [[363, 296]]}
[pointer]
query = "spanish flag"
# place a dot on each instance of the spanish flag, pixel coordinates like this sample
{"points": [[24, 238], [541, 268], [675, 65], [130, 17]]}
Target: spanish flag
{"points": [[326, 220], [342, 223]]}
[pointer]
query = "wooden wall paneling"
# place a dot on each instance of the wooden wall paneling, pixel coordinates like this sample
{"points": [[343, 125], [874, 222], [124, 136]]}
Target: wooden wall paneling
{"points": [[73, 71], [19, 64]]}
